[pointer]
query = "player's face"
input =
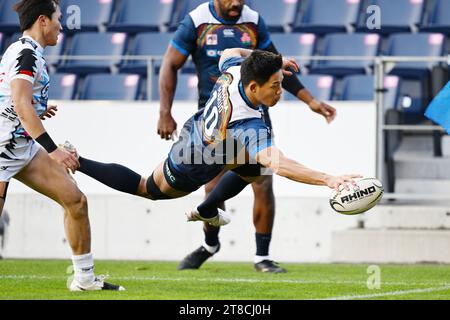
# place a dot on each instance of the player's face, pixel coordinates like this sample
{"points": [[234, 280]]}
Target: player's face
{"points": [[270, 93], [231, 9], [53, 28]]}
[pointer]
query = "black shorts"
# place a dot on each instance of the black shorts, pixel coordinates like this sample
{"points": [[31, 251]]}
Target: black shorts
{"points": [[180, 180]]}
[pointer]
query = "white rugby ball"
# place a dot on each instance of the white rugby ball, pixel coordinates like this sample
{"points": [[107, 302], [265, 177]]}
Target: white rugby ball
{"points": [[360, 198]]}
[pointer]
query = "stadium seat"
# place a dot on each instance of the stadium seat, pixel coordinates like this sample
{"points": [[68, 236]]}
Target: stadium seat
{"points": [[186, 88], [63, 86], [111, 87], [2, 43], [341, 44], [50, 51], [362, 88], [295, 44], [438, 19], [147, 44], [419, 44], [135, 16], [95, 44], [324, 16], [9, 20], [279, 15], [396, 16], [320, 86], [94, 14]]}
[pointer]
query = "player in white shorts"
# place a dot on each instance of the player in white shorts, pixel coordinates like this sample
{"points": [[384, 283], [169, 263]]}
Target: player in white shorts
{"points": [[24, 86]]}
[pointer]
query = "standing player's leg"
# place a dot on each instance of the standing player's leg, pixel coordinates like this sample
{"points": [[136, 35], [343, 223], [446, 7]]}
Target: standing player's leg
{"points": [[211, 243], [3, 192], [263, 219], [63, 190]]}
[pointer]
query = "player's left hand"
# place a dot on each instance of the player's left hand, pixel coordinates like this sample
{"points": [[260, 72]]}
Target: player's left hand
{"points": [[290, 64], [327, 111], [50, 112]]}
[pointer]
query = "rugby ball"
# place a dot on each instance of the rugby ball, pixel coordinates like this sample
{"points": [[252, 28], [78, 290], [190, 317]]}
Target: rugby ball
{"points": [[360, 198]]}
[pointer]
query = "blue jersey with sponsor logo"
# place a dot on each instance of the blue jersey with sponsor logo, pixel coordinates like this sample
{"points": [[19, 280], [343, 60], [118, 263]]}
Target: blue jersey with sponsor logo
{"points": [[228, 131], [204, 35]]}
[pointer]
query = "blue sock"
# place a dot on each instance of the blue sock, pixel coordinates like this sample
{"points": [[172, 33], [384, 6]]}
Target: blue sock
{"points": [[228, 186]]}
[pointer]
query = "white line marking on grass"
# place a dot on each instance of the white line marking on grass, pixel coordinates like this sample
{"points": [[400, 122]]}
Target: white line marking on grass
{"points": [[230, 280], [392, 293]]}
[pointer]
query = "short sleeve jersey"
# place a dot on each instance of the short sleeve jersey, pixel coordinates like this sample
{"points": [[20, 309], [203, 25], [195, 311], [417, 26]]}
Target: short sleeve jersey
{"points": [[22, 60], [217, 134]]}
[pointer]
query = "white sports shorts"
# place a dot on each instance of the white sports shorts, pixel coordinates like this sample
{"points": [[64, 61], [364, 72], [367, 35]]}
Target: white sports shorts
{"points": [[19, 159]]}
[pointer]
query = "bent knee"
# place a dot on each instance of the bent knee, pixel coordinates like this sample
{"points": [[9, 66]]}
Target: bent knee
{"points": [[76, 204]]}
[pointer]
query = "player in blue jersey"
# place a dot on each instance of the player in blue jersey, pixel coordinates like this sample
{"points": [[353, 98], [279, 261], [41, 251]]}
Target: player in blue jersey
{"points": [[204, 33], [228, 134]]}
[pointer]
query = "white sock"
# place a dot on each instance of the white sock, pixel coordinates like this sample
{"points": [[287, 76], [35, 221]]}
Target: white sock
{"points": [[83, 267], [259, 259], [210, 249]]}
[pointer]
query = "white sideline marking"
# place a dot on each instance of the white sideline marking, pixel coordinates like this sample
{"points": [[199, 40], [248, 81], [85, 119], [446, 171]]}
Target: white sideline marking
{"points": [[392, 293], [236, 280]]}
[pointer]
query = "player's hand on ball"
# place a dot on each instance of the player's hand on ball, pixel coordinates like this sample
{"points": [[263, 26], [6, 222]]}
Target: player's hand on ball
{"points": [[167, 127], [334, 182]]}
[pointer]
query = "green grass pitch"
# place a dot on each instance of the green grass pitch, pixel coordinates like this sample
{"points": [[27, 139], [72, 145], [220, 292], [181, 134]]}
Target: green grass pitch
{"points": [[46, 279]]}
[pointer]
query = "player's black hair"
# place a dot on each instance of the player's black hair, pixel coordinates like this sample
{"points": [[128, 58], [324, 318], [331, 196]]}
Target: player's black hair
{"points": [[30, 10], [260, 66]]}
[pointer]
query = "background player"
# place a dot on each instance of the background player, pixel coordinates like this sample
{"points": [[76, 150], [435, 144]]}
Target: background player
{"points": [[204, 33]]}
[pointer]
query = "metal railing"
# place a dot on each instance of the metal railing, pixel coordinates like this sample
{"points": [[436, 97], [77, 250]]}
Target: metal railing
{"points": [[380, 66]]}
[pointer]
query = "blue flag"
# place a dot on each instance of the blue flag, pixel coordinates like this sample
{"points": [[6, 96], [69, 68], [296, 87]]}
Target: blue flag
{"points": [[439, 108]]}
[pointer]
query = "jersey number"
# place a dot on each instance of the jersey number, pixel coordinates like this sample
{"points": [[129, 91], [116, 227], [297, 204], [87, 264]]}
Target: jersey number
{"points": [[211, 115]]}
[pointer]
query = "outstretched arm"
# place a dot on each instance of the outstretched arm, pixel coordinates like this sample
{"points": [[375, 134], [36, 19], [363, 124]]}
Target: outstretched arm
{"points": [[274, 159]]}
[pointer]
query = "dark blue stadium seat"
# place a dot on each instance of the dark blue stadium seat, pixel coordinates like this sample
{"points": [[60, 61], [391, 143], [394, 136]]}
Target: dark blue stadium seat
{"points": [[9, 20], [320, 86], [278, 14], [324, 16], [111, 87], [419, 44], [186, 88], [94, 14], [362, 88], [341, 44], [63, 86], [147, 44], [94, 44], [295, 44], [438, 19], [413, 99], [135, 16], [2, 43], [396, 15], [50, 50]]}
